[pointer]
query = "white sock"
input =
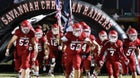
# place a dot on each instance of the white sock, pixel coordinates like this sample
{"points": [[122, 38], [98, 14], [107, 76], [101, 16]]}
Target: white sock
{"points": [[36, 73], [51, 70], [19, 75], [27, 73], [88, 74], [95, 72]]}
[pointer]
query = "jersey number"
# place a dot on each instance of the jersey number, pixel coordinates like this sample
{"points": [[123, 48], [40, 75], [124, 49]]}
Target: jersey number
{"points": [[23, 42], [111, 53], [54, 42], [74, 46], [129, 52], [84, 47]]}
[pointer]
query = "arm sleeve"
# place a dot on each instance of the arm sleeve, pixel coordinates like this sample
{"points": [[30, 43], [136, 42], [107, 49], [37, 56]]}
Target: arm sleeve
{"points": [[101, 55], [121, 52]]}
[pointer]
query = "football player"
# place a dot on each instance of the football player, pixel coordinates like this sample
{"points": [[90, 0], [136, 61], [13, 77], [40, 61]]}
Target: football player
{"points": [[102, 38], [73, 41], [24, 36], [131, 49], [114, 50], [86, 49], [42, 49], [53, 37]]}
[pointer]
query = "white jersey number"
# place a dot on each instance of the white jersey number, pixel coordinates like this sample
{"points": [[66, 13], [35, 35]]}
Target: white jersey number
{"points": [[111, 52], [129, 51], [74, 46], [23, 42], [84, 47], [54, 42]]}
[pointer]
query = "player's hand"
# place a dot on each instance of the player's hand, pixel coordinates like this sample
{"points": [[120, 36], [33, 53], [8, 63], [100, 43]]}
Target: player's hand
{"points": [[101, 63], [87, 39], [60, 48], [33, 59], [7, 52]]}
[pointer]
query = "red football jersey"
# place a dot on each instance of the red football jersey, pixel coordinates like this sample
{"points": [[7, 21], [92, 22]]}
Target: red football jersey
{"points": [[74, 44], [114, 51], [99, 41], [52, 40], [130, 47], [85, 46], [23, 41], [41, 43]]}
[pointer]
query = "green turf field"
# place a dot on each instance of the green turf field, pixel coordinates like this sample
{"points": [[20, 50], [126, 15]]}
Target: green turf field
{"points": [[9, 75]]}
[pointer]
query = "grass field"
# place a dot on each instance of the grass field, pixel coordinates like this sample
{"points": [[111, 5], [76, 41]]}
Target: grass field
{"points": [[10, 75]]}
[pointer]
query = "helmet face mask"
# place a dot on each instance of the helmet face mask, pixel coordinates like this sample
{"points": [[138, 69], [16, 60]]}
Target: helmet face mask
{"points": [[38, 33], [25, 30], [86, 28], [113, 36], [55, 31], [132, 37], [25, 26], [87, 32], [77, 32], [77, 29], [103, 36], [132, 34]]}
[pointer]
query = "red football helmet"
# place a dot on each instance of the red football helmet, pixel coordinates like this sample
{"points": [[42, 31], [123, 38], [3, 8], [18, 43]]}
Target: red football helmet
{"points": [[55, 29], [86, 28], [132, 34], [103, 35], [25, 26], [77, 29], [113, 36]]}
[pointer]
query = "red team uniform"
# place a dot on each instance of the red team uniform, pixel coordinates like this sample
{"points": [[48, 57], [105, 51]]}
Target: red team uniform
{"points": [[86, 48], [40, 56], [85, 54], [73, 42], [102, 39], [129, 50], [22, 52], [114, 55], [73, 48], [53, 44], [130, 46]]}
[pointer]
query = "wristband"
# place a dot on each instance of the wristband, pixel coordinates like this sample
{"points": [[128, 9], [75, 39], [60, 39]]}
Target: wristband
{"points": [[7, 50]]}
